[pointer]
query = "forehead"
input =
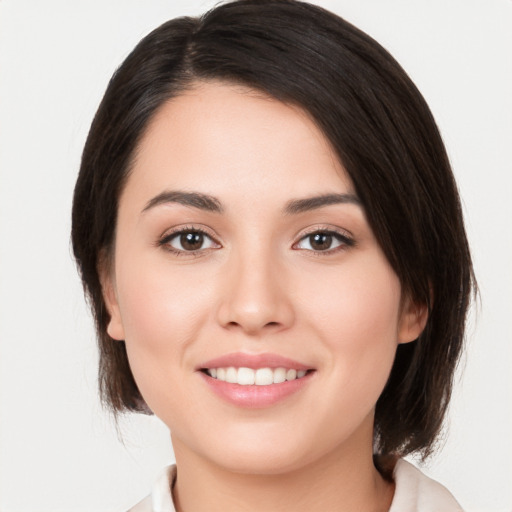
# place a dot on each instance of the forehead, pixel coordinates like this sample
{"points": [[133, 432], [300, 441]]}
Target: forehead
{"points": [[226, 139]]}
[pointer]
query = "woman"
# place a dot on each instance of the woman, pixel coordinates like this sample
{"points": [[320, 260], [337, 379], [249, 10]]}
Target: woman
{"points": [[268, 229]]}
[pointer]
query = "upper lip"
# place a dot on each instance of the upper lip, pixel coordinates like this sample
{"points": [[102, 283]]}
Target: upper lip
{"points": [[254, 361]]}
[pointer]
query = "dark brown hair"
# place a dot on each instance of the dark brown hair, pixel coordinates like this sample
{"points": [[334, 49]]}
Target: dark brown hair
{"points": [[385, 136]]}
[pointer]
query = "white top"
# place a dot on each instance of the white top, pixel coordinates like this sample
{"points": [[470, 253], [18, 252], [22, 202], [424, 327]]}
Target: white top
{"points": [[414, 492]]}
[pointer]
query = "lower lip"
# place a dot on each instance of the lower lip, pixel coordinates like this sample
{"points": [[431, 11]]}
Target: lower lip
{"points": [[254, 397]]}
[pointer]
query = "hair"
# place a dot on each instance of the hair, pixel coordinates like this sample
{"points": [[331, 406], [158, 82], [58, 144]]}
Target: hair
{"points": [[385, 136]]}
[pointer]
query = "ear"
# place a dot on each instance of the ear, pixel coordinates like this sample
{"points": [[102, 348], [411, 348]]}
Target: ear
{"points": [[115, 327], [413, 319]]}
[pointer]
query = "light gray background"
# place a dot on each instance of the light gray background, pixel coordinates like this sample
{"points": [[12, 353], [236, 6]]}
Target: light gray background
{"points": [[58, 450]]}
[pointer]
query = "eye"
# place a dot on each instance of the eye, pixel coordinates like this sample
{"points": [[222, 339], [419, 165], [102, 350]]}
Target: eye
{"points": [[323, 241], [188, 240]]}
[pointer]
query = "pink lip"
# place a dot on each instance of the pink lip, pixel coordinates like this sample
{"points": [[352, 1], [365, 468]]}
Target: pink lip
{"points": [[254, 397], [254, 361]]}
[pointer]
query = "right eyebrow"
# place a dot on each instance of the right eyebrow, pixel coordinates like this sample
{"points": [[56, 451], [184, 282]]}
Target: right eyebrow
{"points": [[194, 199]]}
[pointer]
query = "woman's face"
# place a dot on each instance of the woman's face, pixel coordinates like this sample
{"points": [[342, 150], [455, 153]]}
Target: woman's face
{"points": [[241, 244]]}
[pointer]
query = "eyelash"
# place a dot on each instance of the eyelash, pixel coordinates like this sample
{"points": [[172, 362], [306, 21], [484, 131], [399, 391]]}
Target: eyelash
{"points": [[345, 240], [164, 242]]}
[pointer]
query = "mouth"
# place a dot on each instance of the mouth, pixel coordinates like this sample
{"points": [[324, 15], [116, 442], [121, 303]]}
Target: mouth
{"points": [[255, 380], [265, 376]]}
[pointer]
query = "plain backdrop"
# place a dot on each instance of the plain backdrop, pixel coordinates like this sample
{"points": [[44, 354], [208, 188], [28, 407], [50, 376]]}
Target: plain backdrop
{"points": [[59, 451]]}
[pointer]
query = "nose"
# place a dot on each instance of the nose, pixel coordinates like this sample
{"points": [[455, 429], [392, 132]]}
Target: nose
{"points": [[256, 298]]}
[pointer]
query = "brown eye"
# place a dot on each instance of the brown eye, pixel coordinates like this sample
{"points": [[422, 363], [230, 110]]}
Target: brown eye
{"points": [[191, 241], [320, 241], [324, 241], [188, 241]]}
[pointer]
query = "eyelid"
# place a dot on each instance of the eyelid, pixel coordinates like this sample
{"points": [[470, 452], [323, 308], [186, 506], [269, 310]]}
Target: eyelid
{"points": [[170, 234], [342, 235], [347, 239]]}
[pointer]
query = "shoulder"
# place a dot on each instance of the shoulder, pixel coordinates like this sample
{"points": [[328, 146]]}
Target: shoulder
{"points": [[416, 492], [160, 499]]}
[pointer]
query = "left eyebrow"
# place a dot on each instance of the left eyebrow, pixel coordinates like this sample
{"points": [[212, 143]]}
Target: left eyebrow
{"points": [[312, 203]]}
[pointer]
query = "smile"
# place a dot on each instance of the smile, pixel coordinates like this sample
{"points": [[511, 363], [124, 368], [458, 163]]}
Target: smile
{"points": [[256, 380], [259, 377]]}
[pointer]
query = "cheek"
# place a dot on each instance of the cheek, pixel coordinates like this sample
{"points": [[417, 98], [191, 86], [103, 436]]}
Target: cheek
{"points": [[162, 310], [357, 322], [358, 301], [356, 317]]}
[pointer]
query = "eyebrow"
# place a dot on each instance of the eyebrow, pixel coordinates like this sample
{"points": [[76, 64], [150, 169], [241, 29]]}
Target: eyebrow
{"points": [[194, 199], [312, 203], [212, 204]]}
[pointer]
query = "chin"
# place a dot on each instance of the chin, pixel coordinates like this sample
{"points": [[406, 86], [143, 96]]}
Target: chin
{"points": [[266, 452], [261, 462]]}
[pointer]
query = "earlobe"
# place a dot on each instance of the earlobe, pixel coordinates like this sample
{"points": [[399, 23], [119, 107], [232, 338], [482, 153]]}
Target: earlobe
{"points": [[412, 322], [115, 327]]}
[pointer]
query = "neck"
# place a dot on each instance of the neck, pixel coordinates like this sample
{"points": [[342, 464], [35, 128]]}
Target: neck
{"points": [[344, 480]]}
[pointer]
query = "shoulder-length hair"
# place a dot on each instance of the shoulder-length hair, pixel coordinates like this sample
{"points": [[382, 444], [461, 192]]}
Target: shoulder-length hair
{"points": [[384, 135]]}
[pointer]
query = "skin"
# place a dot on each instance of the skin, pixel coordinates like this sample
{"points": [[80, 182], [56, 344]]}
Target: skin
{"points": [[258, 286]]}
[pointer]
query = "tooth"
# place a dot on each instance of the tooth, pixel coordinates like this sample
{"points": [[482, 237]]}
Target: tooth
{"points": [[231, 375], [279, 375], [291, 374], [261, 377], [245, 376], [264, 377]]}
